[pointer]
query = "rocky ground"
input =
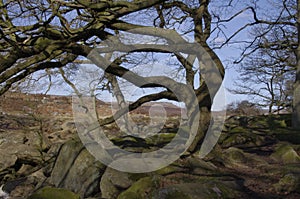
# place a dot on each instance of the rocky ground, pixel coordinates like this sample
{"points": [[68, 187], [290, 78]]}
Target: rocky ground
{"points": [[42, 158]]}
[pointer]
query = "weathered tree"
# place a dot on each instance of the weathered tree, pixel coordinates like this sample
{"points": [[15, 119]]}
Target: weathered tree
{"points": [[296, 100], [52, 34]]}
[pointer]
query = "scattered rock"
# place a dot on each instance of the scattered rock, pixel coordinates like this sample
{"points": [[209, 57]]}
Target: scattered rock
{"points": [[22, 187], [108, 190], [237, 158], [288, 184], [9, 186], [285, 154], [195, 187], [112, 181], [34, 148], [7, 160], [244, 138]]}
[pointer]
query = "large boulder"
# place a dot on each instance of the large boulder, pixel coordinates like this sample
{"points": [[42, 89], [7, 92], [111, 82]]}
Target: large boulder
{"points": [[22, 146], [7, 160], [112, 181], [24, 186], [236, 158], [242, 137], [76, 169], [286, 154], [141, 189], [204, 190], [183, 186]]}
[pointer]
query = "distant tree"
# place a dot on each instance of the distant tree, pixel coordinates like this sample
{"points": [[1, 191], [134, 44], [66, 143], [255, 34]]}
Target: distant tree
{"points": [[268, 59], [243, 108], [265, 74]]}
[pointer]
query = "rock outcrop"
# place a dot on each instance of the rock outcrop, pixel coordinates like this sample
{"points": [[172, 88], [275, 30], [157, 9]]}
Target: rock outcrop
{"points": [[42, 157]]}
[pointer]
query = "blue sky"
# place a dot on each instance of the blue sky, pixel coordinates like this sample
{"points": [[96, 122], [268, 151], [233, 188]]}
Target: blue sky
{"points": [[227, 54], [231, 52]]}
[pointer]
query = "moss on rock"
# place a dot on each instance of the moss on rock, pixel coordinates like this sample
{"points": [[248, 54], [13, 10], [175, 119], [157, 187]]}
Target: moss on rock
{"points": [[168, 169], [141, 188], [287, 184], [286, 154], [171, 193], [53, 193], [234, 158], [112, 181], [204, 189], [161, 138], [235, 139]]}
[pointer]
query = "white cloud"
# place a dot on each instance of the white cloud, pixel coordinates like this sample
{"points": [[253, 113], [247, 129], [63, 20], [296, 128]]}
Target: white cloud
{"points": [[219, 40]]}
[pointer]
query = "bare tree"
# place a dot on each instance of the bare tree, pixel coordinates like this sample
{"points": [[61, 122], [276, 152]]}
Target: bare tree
{"points": [[269, 16], [52, 34], [265, 73]]}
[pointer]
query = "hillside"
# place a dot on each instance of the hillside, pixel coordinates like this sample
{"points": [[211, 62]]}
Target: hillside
{"points": [[51, 105]]}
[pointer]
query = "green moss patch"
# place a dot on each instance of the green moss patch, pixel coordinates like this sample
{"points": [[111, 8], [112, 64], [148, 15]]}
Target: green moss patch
{"points": [[285, 153], [53, 193], [141, 188]]}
